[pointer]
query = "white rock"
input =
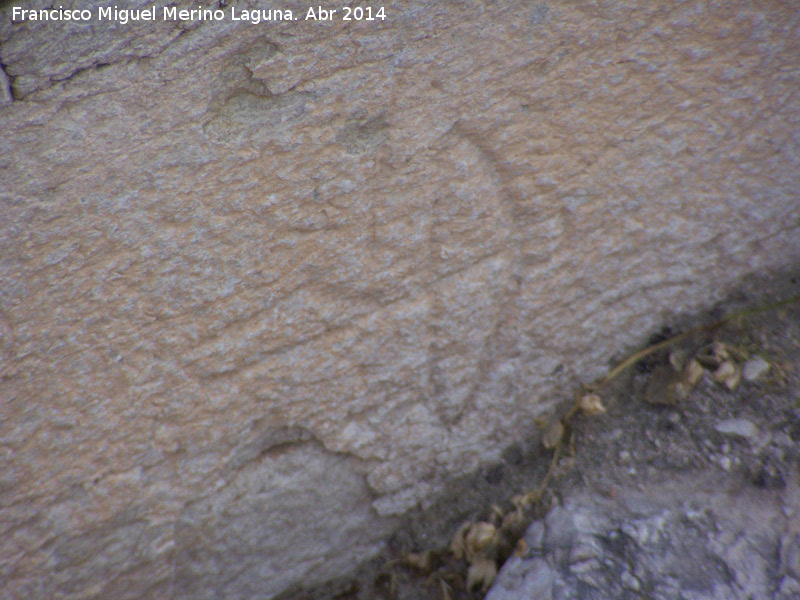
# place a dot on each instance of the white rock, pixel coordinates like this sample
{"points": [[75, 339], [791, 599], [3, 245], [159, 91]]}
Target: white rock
{"points": [[738, 428], [754, 368]]}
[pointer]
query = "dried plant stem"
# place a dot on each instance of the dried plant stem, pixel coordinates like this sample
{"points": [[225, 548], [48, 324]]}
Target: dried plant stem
{"points": [[636, 357], [553, 462]]}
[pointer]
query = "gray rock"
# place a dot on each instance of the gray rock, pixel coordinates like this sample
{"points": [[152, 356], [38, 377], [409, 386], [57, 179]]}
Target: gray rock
{"points": [[532, 578], [687, 539], [790, 554]]}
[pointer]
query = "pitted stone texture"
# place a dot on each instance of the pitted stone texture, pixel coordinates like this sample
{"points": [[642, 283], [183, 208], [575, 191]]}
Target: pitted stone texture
{"points": [[693, 538], [403, 238]]}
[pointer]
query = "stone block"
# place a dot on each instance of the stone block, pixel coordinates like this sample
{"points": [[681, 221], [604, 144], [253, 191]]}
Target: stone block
{"points": [[267, 287]]}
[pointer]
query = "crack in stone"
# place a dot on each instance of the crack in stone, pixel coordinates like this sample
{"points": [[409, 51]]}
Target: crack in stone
{"points": [[93, 67], [9, 94]]}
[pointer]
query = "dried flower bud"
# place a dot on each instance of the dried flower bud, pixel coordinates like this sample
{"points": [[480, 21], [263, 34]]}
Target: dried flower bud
{"points": [[480, 536], [482, 572], [693, 373], [459, 546], [422, 561], [728, 374], [592, 405]]}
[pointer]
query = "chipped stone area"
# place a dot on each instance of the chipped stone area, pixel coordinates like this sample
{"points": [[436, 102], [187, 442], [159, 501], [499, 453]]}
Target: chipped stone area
{"points": [[220, 533], [42, 57]]}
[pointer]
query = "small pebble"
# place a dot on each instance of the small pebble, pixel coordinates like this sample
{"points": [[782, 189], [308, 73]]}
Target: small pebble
{"points": [[738, 427], [754, 368]]}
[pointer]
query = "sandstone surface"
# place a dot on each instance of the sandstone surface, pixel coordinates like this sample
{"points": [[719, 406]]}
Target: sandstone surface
{"points": [[263, 288]]}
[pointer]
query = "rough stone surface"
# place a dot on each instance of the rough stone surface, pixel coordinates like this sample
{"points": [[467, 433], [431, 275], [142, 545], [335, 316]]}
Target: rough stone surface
{"points": [[255, 273], [717, 542]]}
